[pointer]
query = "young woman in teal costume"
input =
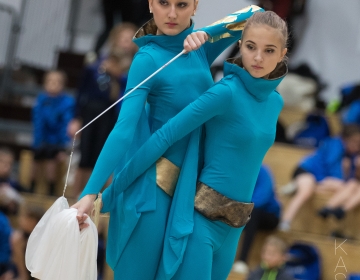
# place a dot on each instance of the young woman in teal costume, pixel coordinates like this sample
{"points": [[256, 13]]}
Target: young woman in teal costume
{"points": [[240, 114], [138, 216]]}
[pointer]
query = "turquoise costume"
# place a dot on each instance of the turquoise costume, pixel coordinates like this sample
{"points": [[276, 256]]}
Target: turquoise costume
{"points": [[138, 215], [240, 114]]}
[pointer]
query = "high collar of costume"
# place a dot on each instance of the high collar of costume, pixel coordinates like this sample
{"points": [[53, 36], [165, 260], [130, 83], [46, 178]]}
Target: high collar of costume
{"points": [[147, 34], [260, 88]]}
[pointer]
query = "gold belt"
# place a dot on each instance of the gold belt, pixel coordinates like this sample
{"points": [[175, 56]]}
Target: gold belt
{"points": [[167, 175], [217, 207]]}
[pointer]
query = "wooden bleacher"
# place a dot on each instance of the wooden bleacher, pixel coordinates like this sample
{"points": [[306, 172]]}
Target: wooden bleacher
{"points": [[25, 175], [283, 159]]}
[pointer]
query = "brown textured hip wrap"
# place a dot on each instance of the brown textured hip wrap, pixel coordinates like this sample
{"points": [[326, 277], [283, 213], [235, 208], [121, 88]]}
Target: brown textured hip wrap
{"points": [[167, 175], [217, 207]]}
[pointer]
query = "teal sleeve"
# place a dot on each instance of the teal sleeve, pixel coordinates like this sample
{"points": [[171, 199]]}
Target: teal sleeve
{"points": [[226, 31], [212, 103], [122, 134], [213, 50]]}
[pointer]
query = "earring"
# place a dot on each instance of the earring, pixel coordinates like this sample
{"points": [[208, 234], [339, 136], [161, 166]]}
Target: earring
{"points": [[151, 11], [194, 13]]}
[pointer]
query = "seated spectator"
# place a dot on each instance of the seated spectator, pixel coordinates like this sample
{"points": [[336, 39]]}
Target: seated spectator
{"points": [[7, 159], [28, 218], [265, 216], [10, 198], [329, 168], [273, 258], [5, 251], [51, 115], [343, 201], [104, 82], [350, 104]]}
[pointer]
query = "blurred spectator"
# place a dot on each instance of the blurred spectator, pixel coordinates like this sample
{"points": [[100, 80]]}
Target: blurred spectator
{"points": [[273, 258], [51, 114], [329, 168], [104, 82], [28, 218], [9, 204], [10, 198], [343, 200], [350, 104], [304, 261], [301, 91], [310, 132], [7, 159], [5, 251], [134, 11], [265, 215]]}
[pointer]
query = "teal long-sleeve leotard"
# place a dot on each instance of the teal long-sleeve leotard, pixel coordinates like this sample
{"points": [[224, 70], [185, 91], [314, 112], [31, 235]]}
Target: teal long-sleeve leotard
{"points": [[240, 114]]}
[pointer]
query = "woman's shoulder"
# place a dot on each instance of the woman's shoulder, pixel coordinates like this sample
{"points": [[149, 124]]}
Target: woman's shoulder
{"points": [[146, 56], [277, 98], [150, 50], [222, 88]]}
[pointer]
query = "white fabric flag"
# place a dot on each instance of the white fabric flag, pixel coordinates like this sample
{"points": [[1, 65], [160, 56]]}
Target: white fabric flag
{"points": [[57, 250]]}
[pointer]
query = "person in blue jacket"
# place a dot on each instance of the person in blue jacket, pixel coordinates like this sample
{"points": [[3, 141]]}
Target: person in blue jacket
{"points": [[352, 114], [51, 115], [138, 216], [240, 114], [265, 215], [331, 167], [5, 248]]}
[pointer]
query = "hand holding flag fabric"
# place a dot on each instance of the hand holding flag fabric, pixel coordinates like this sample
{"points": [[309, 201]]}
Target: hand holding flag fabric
{"points": [[230, 25]]}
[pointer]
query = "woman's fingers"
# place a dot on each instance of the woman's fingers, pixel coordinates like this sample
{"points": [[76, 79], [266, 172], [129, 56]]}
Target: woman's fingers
{"points": [[195, 40], [82, 223], [81, 217], [84, 207]]}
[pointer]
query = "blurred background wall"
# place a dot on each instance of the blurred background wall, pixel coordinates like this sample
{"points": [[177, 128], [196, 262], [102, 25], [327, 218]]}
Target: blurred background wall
{"points": [[328, 34]]}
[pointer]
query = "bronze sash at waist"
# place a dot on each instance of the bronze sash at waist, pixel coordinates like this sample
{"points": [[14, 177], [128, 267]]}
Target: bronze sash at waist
{"points": [[217, 207], [167, 175]]}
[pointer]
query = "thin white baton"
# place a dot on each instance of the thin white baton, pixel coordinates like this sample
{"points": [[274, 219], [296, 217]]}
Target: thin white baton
{"points": [[131, 91]]}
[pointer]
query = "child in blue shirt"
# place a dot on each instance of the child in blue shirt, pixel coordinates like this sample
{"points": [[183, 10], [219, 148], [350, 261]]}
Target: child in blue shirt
{"points": [[51, 115]]}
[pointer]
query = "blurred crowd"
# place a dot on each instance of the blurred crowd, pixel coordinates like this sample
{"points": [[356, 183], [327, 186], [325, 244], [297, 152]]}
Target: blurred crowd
{"points": [[56, 116]]}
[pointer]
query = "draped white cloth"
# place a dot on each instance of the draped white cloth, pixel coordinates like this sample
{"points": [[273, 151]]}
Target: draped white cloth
{"points": [[57, 250]]}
